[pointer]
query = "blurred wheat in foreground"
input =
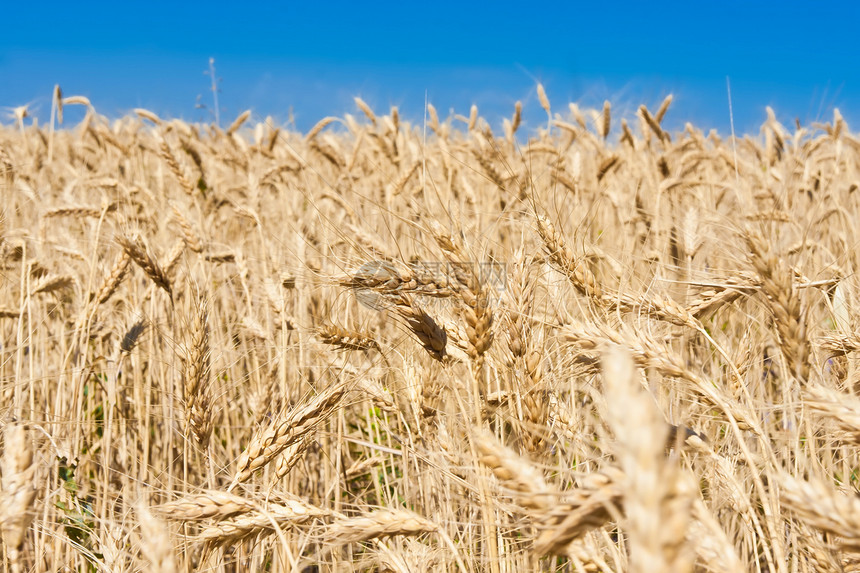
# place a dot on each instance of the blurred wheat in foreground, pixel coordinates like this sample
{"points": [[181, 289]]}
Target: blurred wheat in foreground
{"points": [[610, 347]]}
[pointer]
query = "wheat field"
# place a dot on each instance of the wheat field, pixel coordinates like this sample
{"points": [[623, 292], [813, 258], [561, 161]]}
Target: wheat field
{"points": [[382, 346]]}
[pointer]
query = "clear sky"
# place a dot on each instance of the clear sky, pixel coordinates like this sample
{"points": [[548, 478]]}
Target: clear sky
{"points": [[801, 58]]}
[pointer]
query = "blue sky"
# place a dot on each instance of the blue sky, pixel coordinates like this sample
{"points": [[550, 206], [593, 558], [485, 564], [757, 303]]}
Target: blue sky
{"points": [[798, 57]]}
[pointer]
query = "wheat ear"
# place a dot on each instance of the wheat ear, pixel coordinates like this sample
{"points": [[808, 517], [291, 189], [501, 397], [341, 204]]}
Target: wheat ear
{"points": [[206, 505], [168, 156], [432, 337], [784, 303], [237, 123], [842, 407], [140, 255], [595, 503], [262, 521], [377, 524], [293, 426], [157, 546], [515, 473], [823, 508], [607, 120], [347, 339], [657, 500], [18, 491], [197, 374]]}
